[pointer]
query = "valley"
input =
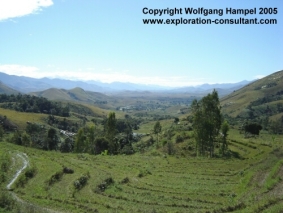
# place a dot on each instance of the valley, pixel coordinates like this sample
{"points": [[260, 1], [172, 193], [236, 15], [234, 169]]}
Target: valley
{"points": [[139, 151]]}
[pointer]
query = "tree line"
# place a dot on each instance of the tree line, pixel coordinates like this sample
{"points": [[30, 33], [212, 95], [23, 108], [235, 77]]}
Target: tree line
{"points": [[29, 103], [115, 137]]}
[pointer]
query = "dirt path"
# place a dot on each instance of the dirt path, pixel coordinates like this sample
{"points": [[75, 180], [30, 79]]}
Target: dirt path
{"points": [[28, 206], [24, 158]]}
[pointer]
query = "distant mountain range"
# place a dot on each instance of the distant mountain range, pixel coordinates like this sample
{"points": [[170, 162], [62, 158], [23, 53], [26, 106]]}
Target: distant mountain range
{"points": [[223, 89], [27, 85]]}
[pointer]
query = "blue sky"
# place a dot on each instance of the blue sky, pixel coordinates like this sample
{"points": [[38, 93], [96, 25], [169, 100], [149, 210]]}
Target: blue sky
{"points": [[106, 40]]}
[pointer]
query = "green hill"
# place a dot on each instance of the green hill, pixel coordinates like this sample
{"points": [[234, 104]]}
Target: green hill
{"points": [[4, 89], [263, 97], [76, 94]]}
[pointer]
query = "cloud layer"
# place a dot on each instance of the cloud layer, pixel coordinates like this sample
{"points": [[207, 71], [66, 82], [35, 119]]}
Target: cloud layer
{"points": [[17, 8], [106, 76]]}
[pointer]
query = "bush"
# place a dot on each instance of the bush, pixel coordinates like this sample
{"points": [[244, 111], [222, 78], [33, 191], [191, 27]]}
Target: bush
{"points": [[253, 128], [170, 148], [6, 201], [125, 180], [5, 162], [144, 172], [103, 186], [23, 179], [179, 139], [81, 182], [67, 170], [127, 150], [30, 172], [3, 177], [163, 142], [55, 178]]}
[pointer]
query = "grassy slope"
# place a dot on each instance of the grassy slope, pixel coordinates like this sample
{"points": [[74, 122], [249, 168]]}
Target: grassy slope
{"points": [[237, 101], [20, 118], [7, 90], [158, 183], [76, 94]]}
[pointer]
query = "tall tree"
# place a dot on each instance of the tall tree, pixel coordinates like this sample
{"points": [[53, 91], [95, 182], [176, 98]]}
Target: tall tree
{"points": [[79, 145], [157, 129], [1, 132], [224, 131], [91, 139], [52, 139], [206, 122], [111, 126]]}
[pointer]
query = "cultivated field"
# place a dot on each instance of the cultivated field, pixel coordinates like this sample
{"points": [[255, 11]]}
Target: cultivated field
{"points": [[154, 181]]}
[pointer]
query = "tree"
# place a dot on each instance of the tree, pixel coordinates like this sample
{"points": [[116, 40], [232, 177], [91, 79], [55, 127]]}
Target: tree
{"points": [[276, 127], [52, 139], [17, 138], [157, 129], [110, 128], [25, 139], [80, 141], [36, 132], [253, 128], [1, 132], [67, 145], [206, 122], [224, 131], [101, 144], [91, 139], [176, 120]]}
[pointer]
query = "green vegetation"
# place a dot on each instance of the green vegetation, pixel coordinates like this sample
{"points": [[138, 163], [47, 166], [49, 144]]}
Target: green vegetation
{"points": [[149, 155], [206, 123], [157, 129], [27, 103], [145, 182]]}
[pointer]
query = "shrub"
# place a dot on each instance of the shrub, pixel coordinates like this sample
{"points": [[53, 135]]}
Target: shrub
{"points": [[5, 162], [170, 148], [81, 181], [55, 178], [103, 186], [127, 150], [23, 179], [67, 170], [6, 201], [144, 172], [125, 180], [30, 172], [163, 142], [3, 177], [179, 139]]}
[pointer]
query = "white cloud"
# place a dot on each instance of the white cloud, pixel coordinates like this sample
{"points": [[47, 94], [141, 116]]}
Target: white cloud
{"points": [[20, 70], [105, 76], [18, 8], [259, 76]]}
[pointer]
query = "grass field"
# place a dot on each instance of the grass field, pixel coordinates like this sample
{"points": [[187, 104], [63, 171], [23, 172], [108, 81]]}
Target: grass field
{"points": [[155, 182], [21, 118]]}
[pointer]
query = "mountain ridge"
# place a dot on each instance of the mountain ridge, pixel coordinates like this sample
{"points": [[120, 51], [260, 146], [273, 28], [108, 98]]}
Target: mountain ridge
{"points": [[27, 84]]}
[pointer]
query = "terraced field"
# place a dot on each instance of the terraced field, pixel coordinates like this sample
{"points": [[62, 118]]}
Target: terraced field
{"points": [[156, 183]]}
